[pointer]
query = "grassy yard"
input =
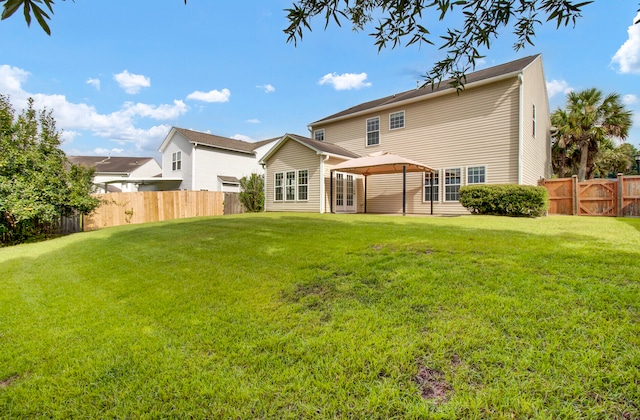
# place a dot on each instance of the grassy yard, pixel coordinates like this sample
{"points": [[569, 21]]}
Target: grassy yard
{"points": [[326, 316]]}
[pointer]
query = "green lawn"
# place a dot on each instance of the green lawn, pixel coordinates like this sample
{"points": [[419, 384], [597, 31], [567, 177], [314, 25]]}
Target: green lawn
{"points": [[326, 316]]}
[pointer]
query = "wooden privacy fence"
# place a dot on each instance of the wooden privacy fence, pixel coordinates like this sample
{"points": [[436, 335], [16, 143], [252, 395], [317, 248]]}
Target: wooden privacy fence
{"points": [[596, 197], [153, 206]]}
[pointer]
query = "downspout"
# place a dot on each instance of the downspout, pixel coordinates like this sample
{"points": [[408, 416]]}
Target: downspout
{"points": [[322, 187], [264, 186], [521, 127], [193, 167]]}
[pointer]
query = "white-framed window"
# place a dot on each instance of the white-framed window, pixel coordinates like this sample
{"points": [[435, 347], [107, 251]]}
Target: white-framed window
{"points": [[396, 120], [176, 161], [476, 175], [278, 186], [534, 121], [452, 183], [290, 186], [303, 185], [373, 131], [319, 134], [436, 186]]}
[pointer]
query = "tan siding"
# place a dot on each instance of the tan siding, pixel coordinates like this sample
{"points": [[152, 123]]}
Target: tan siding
{"points": [[294, 156], [536, 150], [478, 127]]}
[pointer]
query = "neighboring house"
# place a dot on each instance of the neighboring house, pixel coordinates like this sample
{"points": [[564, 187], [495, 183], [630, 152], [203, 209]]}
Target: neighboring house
{"points": [[496, 131], [124, 174], [208, 162]]}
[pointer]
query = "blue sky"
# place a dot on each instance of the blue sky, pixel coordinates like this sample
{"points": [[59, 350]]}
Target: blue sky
{"points": [[119, 74]]}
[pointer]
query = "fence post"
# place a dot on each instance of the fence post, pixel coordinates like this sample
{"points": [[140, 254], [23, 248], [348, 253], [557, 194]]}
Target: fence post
{"points": [[574, 194], [620, 200]]}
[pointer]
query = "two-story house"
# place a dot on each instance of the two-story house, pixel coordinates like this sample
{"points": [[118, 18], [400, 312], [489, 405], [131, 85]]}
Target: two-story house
{"points": [[495, 131], [203, 161]]}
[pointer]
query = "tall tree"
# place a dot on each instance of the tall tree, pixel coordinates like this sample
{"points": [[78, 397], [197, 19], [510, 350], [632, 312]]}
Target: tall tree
{"points": [[37, 182], [588, 122]]}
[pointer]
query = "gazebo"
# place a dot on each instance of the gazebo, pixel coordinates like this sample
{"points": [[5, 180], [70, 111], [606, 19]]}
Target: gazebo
{"points": [[382, 163]]}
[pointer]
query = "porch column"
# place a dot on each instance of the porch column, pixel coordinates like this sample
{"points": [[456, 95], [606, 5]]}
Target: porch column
{"points": [[331, 191], [404, 189], [365, 194]]}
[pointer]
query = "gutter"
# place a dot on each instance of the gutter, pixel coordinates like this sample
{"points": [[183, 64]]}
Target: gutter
{"points": [[521, 127]]}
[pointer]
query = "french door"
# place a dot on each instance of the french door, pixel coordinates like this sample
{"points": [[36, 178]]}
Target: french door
{"points": [[345, 193]]}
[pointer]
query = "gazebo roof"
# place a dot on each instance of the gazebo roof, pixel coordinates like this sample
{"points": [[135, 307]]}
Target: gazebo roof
{"points": [[381, 163]]}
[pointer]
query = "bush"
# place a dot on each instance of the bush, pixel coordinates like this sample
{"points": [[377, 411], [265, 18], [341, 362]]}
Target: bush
{"points": [[252, 193], [505, 200]]}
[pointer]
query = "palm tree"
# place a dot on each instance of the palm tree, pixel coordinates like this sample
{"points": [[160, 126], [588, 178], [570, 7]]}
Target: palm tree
{"points": [[587, 122]]}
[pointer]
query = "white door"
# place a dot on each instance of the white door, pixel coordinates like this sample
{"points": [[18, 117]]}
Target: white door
{"points": [[345, 193]]}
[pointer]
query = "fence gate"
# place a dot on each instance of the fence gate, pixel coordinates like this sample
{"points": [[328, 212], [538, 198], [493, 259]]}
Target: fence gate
{"points": [[597, 198], [232, 204]]}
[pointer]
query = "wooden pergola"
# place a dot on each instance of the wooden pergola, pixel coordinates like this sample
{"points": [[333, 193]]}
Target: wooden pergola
{"points": [[382, 163]]}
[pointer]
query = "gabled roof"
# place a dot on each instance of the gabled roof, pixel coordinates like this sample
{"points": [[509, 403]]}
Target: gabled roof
{"points": [[107, 164], [219, 142], [317, 146], [511, 68]]}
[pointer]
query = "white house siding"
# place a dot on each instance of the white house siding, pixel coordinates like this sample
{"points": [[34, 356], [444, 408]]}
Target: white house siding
{"points": [[292, 156], [178, 143], [212, 162], [479, 127], [536, 150]]}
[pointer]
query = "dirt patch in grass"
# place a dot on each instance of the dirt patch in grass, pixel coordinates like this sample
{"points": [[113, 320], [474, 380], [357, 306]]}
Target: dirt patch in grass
{"points": [[432, 385], [4, 383]]}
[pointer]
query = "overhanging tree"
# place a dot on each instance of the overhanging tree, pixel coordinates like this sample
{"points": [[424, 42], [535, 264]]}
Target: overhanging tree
{"points": [[478, 23], [38, 185], [589, 122]]}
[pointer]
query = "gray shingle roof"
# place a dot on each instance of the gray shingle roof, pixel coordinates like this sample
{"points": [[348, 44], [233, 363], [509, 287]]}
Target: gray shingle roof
{"points": [[221, 142], [476, 76], [324, 147], [106, 164]]}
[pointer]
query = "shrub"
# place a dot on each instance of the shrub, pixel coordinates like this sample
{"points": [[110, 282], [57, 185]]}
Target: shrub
{"points": [[252, 193], [505, 200]]}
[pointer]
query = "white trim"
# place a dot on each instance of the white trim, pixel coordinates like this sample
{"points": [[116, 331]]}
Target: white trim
{"points": [[521, 126], [295, 185], [275, 200], [193, 167], [404, 120], [322, 188], [315, 132], [366, 132]]}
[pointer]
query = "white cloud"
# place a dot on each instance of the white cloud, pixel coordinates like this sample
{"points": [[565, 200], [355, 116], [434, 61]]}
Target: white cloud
{"points": [[629, 99], [267, 88], [242, 137], [131, 83], [555, 87], [211, 96], [253, 121], [11, 79], [78, 120], [628, 55], [345, 81], [100, 151], [94, 82]]}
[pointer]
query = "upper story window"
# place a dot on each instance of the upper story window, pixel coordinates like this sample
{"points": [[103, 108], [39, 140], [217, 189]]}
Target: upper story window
{"points": [[476, 175], [436, 186], [452, 183], [396, 120], [534, 121], [176, 161], [319, 134], [373, 131]]}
